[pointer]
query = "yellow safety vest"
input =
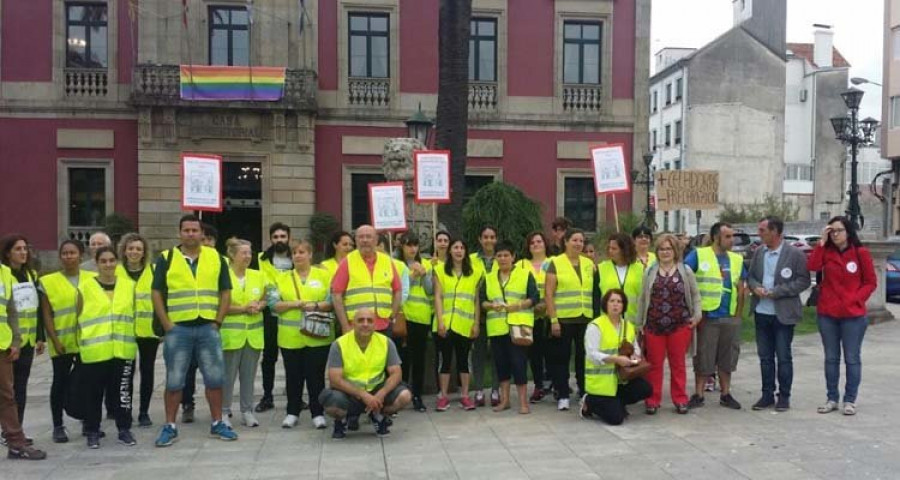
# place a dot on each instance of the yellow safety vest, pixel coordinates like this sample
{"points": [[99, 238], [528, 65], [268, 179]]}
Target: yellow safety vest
{"points": [[330, 265], [242, 328], [63, 298], [419, 306], [478, 265], [106, 327], [574, 295], [5, 297], [315, 289], [602, 379], [709, 279], [609, 279], [143, 301], [25, 296], [459, 294], [366, 370], [651, 259], [191, 297], [369, 290], [515, 291]]}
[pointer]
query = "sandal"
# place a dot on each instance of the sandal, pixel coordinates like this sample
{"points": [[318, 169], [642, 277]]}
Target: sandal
{"points": [[849, 408], [26, 453], [828, 407]]}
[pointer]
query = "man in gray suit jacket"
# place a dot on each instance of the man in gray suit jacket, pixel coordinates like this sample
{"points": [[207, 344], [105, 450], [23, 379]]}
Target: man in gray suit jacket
{"points": [[777, 277]]}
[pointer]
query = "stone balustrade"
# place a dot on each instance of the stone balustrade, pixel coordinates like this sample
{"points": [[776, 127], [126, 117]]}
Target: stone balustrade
{"points": [[582, 98], [370, 92], [86, 82]]}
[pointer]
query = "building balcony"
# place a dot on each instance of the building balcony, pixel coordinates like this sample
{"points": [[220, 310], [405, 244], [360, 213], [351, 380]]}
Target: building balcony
{"points": [[369, 92], [482, 96], [580, 98], [86, 82], [160, 86]]}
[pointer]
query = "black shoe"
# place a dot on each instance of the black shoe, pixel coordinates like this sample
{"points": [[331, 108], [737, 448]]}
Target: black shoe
{"points": [[187, 414], [651, 410], [763, 403], [381, 426], [696, 401], [126, 438], [681, 409], [353, 423], [340, 430], [26, 453], [93, 441], [783, 404], [265, 404], [729, 402], [419, 405], [101, 434], [144, 420], [60, 435]]}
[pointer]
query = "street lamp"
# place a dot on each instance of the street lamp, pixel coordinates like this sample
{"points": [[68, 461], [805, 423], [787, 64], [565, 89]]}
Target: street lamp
{"points": [[419, 126], [860, 81], [854, 133], [648, 183]]}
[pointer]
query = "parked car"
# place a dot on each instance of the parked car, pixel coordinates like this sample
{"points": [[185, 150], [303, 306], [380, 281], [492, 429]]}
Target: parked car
{"points": [[755, 242], [892, 275], [742, 245], [805, 243]]}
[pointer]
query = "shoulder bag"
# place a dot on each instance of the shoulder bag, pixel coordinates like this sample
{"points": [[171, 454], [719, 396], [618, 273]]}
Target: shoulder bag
{"points": [[626, 349], [314, 324]]}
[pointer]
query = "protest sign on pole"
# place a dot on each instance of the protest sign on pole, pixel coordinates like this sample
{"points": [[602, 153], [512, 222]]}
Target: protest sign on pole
{"points": [[432, 180], [610, 173], [687, 189], [201, 182], [387, 206]]}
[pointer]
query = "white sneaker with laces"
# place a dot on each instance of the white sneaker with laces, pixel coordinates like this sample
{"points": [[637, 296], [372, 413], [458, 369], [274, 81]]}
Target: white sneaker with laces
{"points": [[290, 421], [249, 420], [562, 404], [319, 422]]}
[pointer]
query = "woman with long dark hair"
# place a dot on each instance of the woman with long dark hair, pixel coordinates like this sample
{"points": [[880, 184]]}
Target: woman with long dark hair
{"points": [[622, 270], [535, 261], [340, 245], [848, 279], [418, 310]]}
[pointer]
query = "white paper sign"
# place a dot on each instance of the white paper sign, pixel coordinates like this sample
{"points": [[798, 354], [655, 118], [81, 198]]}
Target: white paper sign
{"points": [[432, 175], [610, 171], [201, 187], [386, 201]]}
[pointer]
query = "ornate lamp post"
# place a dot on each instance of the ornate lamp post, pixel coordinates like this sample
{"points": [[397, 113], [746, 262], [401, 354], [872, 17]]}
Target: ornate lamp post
{"points": [[419, 126], [854, 133], [646, 179]]}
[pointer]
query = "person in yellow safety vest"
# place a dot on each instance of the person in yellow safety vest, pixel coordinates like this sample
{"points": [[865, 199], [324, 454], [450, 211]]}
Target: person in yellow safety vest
{"points": [[15, 252], [508, 295], [606, 395], [59, 301], [106, 346], [418, 310], [336, 250], [721, 275], [483, 263], [272, 262], [300, 292], [401, 268], [364, 375], [134, 253], [457, 315], [643, 238], [571, 284], [10, 341], [439, 249], [366, 278], [622, 270], [590, 252], [242, 329], [191, 296], [535, 261]]}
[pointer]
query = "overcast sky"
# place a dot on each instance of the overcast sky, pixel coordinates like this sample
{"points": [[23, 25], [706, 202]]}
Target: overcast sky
{"points": [[858, 32]]}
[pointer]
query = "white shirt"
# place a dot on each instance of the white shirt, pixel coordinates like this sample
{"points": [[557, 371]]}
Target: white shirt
{"points": [[593, 339]]}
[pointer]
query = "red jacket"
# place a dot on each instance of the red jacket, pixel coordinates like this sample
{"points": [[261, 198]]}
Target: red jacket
{"points": [[848, 280]]}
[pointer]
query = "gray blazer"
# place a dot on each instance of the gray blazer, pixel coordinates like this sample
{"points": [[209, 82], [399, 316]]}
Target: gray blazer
{"points": [[791, 279]]}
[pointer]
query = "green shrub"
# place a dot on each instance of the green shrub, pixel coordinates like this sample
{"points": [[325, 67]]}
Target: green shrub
{"points": [[116, 225], [321, 226], [506, 208]]}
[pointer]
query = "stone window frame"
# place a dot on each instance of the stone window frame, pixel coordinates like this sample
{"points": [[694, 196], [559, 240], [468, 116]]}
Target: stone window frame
{"points": [[561, 175], [62, 188], [392, 9], [592, 12], [58, 47]]}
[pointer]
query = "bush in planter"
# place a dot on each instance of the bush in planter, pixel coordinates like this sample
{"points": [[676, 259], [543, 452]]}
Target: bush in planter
{"points": [[321, 226], [116, 225], [505, 207]]}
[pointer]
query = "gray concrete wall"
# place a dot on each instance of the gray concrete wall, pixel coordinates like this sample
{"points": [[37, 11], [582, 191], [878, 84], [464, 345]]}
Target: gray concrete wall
{"points": [[769, 24]]}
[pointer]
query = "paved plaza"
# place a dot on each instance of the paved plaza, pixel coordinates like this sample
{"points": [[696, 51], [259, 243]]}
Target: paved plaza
{"points": [[711, 442]]}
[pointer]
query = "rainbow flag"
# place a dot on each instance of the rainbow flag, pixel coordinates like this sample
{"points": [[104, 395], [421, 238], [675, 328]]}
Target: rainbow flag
{"points": [[202, 82]]}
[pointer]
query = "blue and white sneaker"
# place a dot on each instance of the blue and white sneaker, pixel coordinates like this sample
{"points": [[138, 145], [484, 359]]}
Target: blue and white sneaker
{"points": [[167, 436], [223, 432]]}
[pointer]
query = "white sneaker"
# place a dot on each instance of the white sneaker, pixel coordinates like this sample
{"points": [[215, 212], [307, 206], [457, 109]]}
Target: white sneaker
{"points": [[290, 421], [562, 404], [319, 422], [227, 422], [250, 420]]}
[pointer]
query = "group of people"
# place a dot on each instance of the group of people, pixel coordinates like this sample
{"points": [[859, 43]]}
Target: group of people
{"points": [[361, 319]]}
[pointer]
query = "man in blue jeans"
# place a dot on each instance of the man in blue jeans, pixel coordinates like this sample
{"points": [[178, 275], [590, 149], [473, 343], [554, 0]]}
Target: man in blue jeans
{"points": [[777, 277], [191, 295]]}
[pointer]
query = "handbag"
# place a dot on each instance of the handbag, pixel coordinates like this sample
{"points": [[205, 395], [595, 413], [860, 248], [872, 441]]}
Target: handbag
{"points": [[521, 335], [74, 401], [314, 324], [398, 328], [813, 299], [631, 372]]}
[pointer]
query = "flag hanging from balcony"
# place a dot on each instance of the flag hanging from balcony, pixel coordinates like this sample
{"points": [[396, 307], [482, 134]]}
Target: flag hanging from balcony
{"points": [[202, 82]]}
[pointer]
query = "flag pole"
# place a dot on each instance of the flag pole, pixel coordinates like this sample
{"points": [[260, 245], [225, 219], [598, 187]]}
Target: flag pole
{"points": [[187, 32], [250, 47]]}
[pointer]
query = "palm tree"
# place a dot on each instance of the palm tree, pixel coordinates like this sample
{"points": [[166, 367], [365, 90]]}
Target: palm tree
{"points": [[453, 105]]}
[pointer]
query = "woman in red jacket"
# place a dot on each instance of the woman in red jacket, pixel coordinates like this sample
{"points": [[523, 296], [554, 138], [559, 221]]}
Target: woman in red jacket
{"points": [[848, 279]]}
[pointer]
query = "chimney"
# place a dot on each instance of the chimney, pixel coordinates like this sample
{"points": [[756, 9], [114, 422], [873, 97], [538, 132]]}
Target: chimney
{"points": [[823, 50]]}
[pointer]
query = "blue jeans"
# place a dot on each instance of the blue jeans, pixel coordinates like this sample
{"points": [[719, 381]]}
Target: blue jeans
{"points": [[773, 341], [847, 333], [201, 344]]}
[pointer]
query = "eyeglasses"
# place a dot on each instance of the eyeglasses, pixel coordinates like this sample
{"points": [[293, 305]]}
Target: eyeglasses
{"points": [[835, 231], [643, 235]]}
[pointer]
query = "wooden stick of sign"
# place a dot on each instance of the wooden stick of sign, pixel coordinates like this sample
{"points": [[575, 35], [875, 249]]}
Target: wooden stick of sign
{"points": [[434, 221], [615, 211], [391, 243]]}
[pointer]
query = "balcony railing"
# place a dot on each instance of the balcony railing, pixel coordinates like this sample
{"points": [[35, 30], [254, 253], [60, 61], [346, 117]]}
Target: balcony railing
{"points": [[582, 98], [82, 234], [86, 82], [482, 96], [160, 86], [370, 92]]}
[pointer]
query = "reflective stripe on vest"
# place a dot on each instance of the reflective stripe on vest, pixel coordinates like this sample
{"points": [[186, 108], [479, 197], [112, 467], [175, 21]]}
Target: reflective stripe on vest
{"points": [[63, 298], [369, 290], [459, 293], [191, 297], [574, 296], [314, 289], [709, 279], [106, 327], [602, 379], [419, 306], [366, 369], [609, 279], [514, 292], [241, 329]]}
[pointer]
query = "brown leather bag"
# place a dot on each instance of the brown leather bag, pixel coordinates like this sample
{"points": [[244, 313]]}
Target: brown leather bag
{"points": [[399, 329], [626, 349]]}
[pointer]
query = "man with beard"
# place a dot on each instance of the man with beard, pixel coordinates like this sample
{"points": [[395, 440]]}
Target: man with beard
{"points": [[276, 259]]}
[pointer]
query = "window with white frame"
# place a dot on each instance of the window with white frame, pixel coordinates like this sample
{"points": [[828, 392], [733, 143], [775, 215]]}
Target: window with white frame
{"points": [[654, 102], [653, 139], [798, 172], [677, 132], [895, 112], [679, 88], [668, 135], [668, 94]]}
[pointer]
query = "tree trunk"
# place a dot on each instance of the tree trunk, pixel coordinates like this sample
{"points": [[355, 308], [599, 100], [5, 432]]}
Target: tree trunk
{"points": [[453, 105]]}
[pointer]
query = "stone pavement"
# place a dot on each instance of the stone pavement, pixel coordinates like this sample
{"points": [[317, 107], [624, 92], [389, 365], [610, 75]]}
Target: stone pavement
{"points": [[711, 442]]}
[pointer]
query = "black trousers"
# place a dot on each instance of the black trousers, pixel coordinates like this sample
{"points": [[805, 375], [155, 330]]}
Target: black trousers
{"points": [[414, 363], [304, 365], [21, 373], [561, 352], [112, 376], [147, 349], [62, 371], [538, 356], [612, 409], [270, 353], [453, 343], [510, 360]]}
